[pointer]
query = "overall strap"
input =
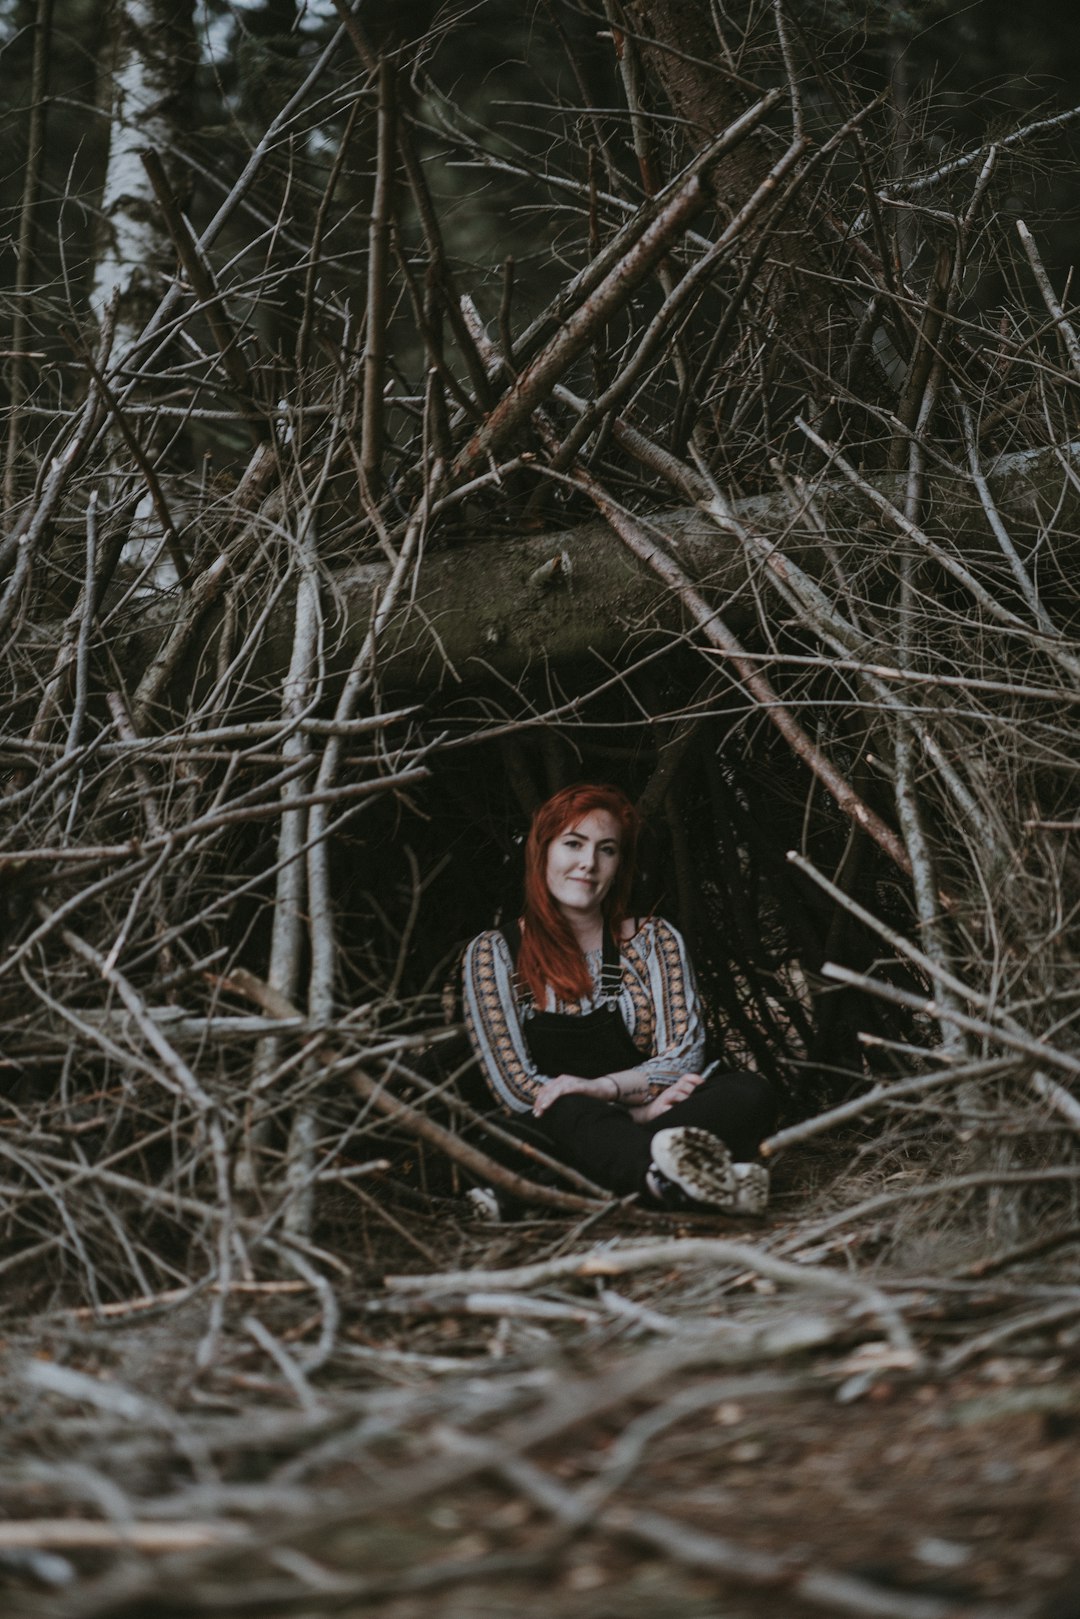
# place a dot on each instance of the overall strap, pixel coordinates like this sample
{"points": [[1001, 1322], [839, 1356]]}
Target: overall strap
{"points": [[511, 936], [611, 969]]}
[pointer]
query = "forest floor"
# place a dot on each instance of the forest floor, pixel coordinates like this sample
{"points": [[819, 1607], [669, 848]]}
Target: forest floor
{"points": [[630, 1416]]}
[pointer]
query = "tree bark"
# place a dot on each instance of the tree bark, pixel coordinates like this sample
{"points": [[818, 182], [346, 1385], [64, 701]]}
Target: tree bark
{"points": [[152, 55]]}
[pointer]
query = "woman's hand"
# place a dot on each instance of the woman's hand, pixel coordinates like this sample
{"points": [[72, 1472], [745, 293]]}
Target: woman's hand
{"points": [[677, 1091], [569, 1085]]}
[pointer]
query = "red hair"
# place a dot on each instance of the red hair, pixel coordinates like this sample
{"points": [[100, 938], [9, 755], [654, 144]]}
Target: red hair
{"points": [[550, 954]]}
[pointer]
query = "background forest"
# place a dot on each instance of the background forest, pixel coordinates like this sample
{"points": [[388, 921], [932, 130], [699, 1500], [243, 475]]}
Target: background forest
{"points": [[410, 408]]}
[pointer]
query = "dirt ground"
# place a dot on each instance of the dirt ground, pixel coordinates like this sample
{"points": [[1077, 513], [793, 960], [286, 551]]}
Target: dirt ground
{"points": [[688, 1438]]}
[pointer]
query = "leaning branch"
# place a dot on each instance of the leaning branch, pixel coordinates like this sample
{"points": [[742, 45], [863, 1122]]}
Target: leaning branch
{"points": [[536, 382], [647, 547]]}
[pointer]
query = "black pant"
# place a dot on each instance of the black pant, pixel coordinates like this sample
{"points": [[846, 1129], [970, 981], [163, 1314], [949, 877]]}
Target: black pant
{"points": [[601, 1140]]}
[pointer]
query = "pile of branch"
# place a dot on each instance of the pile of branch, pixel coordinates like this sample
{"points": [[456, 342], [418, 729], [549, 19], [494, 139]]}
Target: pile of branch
{"points": [[207, 693]]}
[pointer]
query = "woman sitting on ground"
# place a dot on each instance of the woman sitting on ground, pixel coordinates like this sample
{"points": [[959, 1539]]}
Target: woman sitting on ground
{"points": [[587, 1024]]}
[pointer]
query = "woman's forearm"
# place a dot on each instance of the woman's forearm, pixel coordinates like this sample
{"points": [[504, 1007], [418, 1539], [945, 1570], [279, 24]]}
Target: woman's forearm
{"points": [[627, 1085]]}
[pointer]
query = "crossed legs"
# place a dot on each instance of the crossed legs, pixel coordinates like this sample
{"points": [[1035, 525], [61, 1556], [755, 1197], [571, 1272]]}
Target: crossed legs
{"points": [[602, 1141]]}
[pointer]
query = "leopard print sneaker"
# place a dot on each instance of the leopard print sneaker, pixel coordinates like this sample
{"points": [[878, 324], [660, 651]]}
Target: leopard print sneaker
{"points": [[695, 1163], [692, 1168]]}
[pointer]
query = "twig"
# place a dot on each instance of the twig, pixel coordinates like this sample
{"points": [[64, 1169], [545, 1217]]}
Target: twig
{"points": [[175, 1074], [299, 696], [1042, 281], [931, 1189], [1012, 1036], [204, 590], [442, 275], [881, 1096], [417, 1124], [589, 278], [88, 609], [912, 531], [1062, 1101], [506, 304], [967, 160], [210, 300], [381, 1212], [139, 354], [628, 1257], [836, 1593], [680, 294], [90, 1534], [686, 1544], [371, 428], [1034, 1248], [286, 1365], [506, 1306], [993, 517], [323, 931], [485, 1169], [211, 822], [155, 823], [21, 544], [275, 731], [116, 1309], [988, 1342]]}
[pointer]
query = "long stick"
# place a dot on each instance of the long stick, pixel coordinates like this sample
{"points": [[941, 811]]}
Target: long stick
{"points": [[320, 889], [590, 276], [288, 931], [880, 1096], [371, 421], [1042, 281]]}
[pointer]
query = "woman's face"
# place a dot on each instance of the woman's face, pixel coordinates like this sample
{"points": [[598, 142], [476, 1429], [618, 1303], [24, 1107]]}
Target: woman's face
{"points": [[582, 862]]}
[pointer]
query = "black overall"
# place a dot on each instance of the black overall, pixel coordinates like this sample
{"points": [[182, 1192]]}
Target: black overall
{"points": [[599, 1138], [588, 1044]]}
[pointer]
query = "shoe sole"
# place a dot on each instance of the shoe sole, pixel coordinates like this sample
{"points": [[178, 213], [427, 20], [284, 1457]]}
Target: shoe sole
{"points": [[698, 1163], [484, 1202], [751, 1188]]}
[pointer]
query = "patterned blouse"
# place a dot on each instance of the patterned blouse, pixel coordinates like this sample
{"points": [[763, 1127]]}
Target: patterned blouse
{"points": [[658, 1001]]}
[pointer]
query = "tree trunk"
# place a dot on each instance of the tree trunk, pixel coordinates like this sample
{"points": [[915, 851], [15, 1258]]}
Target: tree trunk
{"points": [[152, 52]]}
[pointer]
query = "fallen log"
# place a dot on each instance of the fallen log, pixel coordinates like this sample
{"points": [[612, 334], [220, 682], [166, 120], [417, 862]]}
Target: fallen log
{"points": [[506, 608]]}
